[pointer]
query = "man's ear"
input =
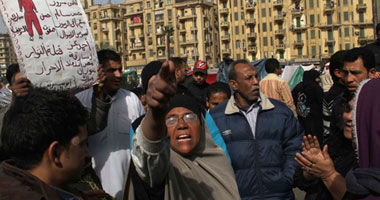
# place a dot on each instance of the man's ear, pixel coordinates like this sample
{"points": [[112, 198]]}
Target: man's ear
{"points": [[207, 104], [233, 85], [372, 73], [54, 153], [338, 73]]}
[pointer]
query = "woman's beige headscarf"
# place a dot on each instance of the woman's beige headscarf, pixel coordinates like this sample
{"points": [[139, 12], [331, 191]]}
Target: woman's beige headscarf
{"points": [[206, 174]]}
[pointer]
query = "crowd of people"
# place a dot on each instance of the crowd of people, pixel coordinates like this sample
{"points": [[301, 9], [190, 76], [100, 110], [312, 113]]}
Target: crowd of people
{"points": [[178, 137]]}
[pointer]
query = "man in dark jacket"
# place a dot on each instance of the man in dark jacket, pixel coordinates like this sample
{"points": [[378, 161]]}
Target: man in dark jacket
{"points": [[197, 86], [261, 135], [45, 137]]}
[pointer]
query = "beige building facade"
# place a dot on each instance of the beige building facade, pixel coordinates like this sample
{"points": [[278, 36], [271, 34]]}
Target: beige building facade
{"points": [[293, 30], [137, 29], [7, 54], [289, 30]]}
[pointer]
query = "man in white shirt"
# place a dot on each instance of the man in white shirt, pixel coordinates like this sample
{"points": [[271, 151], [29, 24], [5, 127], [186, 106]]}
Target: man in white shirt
{"points": [[112, 110]]}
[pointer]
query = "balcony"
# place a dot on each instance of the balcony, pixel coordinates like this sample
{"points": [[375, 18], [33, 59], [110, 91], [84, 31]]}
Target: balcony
{"points": [[251, 35], [365, 40], [328, 8], [298, 43], [188, 42], [182, 30], [137, 48], [185, 17], [277, 3], [297, 11], [132, 37], [225, 37], [162, 45], [136, 24], [133, 12], [226, 51], [298, 28], [115, 17], [250, 7], [280, 47], [250, 21], [279, 18], [224, 24], [105, 29], [252, 49], [361, 7], [224, 11], [330, 41], [279, 33], [328, 25], [363, 23]]}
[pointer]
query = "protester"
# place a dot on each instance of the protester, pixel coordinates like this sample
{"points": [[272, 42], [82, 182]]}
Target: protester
{"points": [[185, 165], [308, 97], [275, 87], [44, 135], [112, 111], [262, 136], [331, 103], [314, 184], [375, 49], [197, 85], [364, 180], [6, 91], [359, 64], [217, 93], [139, 92]]}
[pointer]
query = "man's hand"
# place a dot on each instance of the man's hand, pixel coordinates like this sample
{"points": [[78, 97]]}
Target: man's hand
{"points": [[100, 83], [160, 90], [20, 88]]}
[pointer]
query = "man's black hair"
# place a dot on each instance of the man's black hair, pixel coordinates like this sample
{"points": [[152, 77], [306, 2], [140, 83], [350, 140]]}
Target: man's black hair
{"points": [[12, 70], [37, 120], [336, 62], [177, 61], [271, 65], [366, 55], [231, 68], [106, 55], [219, 87]]}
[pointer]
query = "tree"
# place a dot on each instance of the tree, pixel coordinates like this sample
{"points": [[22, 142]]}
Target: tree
{"points": [[168, 31]]}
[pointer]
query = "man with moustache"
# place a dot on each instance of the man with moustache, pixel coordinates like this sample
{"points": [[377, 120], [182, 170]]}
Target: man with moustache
{"points": [[262, 136], [112, 110]]}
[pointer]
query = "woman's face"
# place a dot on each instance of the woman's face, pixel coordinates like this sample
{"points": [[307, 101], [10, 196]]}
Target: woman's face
{"points": [[184, 130], [347, 118]]}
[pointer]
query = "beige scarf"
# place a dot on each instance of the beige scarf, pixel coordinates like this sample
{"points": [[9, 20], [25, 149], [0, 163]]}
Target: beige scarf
{"points": [[206, 174]]}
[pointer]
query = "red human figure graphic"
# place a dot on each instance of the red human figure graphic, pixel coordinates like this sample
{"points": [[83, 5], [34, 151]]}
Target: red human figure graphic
{"points": [[30, 17]]}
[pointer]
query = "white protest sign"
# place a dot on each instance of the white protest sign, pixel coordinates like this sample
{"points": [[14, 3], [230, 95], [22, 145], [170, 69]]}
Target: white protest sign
{"points": [[53, 42]]}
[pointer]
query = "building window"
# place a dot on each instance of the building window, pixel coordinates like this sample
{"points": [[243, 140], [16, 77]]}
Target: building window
{"points": [[96, 36], [242, 29], [169, 14], [148, 16], [238, 56], [262, 1], [94, 15], [236, 16], [312, 34], [346, 32], [311, 4], [148, 4], [95, 26], [345, 16], [238, 44], [270, 26], [329, 19], [312, 20], [347, 46], [361, 17], [235, 3], [169, 2], [331, 49], [313, 50], [345, 2], [237, 30], [242, 16], [270, 12], [150, 41], [263, 12], [265, 41], [299, 50], [264, 27]]}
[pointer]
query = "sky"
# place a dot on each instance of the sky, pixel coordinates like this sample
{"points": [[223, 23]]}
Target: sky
{"points": [[3, 29]]}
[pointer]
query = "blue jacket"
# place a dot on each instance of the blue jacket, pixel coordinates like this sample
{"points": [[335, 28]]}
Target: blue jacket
{"points": [[264, 165]]}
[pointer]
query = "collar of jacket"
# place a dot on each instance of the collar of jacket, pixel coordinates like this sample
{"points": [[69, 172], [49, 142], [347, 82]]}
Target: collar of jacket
{"points": [[231, 108]]}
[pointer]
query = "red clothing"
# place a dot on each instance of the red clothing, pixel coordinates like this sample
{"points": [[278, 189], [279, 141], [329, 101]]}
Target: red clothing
{"points": [[30, 16]]}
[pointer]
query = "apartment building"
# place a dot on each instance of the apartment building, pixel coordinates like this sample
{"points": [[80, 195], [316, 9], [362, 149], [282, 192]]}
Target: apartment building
{"points": [[7, 54], [293, 30], [146, 30]]}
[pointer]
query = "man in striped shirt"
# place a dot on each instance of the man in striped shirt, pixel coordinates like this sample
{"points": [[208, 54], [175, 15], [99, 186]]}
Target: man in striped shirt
{"points": [[275, 87]]}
